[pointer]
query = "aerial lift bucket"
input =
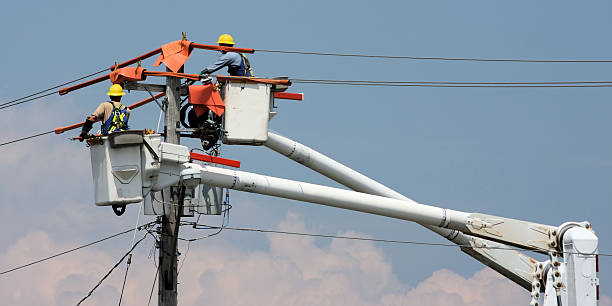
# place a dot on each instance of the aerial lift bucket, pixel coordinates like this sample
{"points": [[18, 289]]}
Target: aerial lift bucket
{"points": [[119, 162], [247, 112]]}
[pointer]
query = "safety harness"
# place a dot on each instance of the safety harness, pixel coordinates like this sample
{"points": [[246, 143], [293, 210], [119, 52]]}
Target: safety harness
{"points": [[248, 71], [118, 120]]}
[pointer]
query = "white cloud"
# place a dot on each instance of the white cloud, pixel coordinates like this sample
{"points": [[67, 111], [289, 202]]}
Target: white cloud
{"points": [[296, 270]]}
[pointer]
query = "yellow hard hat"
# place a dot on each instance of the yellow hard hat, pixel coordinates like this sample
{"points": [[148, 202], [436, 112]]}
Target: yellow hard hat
{"points": [[115, 90], [226, 39]]}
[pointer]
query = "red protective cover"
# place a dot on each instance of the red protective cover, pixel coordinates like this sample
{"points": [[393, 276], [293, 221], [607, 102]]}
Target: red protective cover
{"points": [[174, 54], [127, 74], [206, 96]]}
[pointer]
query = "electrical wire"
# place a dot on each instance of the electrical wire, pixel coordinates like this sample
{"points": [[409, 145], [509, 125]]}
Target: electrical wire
{"points": [[28, 100], [75, 249], [111, 270], [13, 102], [578, 84], [153, 287], [129, 260], [25, 138], [435, 58], [456, 82], [259, 230]]}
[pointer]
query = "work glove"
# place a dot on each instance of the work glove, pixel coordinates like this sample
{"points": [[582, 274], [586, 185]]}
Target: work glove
{"points": [[83, 136]]}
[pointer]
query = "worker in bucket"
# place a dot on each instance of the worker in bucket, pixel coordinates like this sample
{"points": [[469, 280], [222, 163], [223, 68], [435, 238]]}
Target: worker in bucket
{"points": [[113, 114], [237, 64]]}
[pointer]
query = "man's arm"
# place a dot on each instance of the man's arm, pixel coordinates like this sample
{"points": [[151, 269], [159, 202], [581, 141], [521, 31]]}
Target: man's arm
{"points": [[221, 62], [97, 115]]}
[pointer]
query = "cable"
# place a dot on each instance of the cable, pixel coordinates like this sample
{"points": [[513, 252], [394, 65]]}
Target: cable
{"points": [[455, 82], [111, 270], [25, 138], [28, 100], [74, 249], [153, 287], [466, 59], [244, 229], [45, 90], [458, 84], [184, 258], [129, 261]]}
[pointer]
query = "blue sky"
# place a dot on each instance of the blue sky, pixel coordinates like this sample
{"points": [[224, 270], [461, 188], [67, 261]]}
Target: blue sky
{"points": [[540, 155]]}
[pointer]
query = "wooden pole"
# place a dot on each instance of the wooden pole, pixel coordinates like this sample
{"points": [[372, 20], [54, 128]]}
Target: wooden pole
{"points": [[172, 214]]}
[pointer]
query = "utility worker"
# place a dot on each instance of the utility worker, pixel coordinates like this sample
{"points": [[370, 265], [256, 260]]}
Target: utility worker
{"points": [[113, 114], [237, 63]]}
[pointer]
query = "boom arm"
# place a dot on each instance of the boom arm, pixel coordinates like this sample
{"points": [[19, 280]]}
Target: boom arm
{"points": [[514, 265]]}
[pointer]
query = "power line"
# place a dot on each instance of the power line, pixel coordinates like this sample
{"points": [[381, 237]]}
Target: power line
{"points": [[583, 84], [456, 82], [28, 100], [246, 229], [12, 102], [435, 58], [75, 249], [25, 138], [111, 270]]}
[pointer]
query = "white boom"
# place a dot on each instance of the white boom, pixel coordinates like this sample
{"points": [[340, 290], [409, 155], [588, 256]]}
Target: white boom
{"points": [[516, 266], [127, 166]]}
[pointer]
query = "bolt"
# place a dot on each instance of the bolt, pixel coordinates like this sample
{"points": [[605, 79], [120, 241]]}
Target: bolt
{"points": [[557, 274], [554, 232], [552, 244]]}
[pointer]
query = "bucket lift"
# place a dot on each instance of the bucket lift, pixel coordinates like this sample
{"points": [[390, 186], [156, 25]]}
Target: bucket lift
{"points": [[133, 166], [129, 167]]}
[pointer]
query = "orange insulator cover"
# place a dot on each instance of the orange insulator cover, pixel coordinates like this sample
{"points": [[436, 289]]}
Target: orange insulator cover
{"points": [[253, 80], [206, 96], [195, 77], [127, 74], [174, 54]]}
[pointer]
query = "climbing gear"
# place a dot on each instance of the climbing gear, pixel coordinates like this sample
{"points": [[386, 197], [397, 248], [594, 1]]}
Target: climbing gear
{"points": [[226, 39], [248, 70], [118, 120], [115, 90]]}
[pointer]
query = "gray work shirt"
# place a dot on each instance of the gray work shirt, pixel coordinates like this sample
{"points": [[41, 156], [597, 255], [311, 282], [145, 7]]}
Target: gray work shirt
{"points": [[228, 59]]}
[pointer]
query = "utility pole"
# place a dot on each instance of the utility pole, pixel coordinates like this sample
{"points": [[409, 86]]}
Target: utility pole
{"points": [[167, 287]]}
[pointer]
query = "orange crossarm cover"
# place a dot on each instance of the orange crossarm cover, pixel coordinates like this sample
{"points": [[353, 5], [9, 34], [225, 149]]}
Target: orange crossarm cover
{"points": [[195, 77], [222, 48], [204, 97], [174, 54], [127, 74], [66, 90], [214, 159], [147, 100], [253, 80], [136, 59], [60, 130], [289, 96]]}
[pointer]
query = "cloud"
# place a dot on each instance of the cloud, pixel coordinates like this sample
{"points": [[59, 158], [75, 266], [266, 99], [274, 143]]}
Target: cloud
{"points": [[294, 270]]}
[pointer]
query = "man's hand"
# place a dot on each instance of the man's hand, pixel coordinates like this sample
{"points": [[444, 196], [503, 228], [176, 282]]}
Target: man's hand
{"points": [[83, 136]]}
